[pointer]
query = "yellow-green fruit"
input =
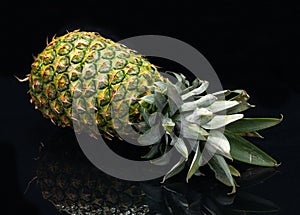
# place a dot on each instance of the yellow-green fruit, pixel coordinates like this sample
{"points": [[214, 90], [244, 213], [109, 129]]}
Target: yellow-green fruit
{"points": [[101, 75]]}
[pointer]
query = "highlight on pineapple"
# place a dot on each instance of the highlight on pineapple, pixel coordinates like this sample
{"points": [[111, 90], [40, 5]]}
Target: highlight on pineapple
{"points": [[82, 79]]}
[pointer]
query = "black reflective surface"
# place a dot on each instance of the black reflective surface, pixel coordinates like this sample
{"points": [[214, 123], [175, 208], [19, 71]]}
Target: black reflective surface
{"points": [[254, 47]]}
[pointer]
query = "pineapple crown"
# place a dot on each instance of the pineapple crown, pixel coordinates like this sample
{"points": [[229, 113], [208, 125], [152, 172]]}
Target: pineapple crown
{"points": [[210, 125]]}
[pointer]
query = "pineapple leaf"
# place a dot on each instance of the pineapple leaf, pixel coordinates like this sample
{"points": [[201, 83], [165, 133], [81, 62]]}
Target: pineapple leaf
{"points": [[250, 134], [221, 105], [152, 136], [200, 116], [168, 125], [222, 171], [160, 101], [219, 121], [153, 151], [242, 98], [246, 125], [193, 131], [218, 142], [244, 151], [234, 171], [174, 99], [197, 91], [204, 101], [195, 164], [148, 98], [163, 160], [180, 147], [177, 168]]}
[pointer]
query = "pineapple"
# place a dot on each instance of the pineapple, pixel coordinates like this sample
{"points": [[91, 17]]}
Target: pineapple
{"points": [[82, 79]]}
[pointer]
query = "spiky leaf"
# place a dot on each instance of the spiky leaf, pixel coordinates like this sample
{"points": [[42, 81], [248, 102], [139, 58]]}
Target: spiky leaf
{"points": [[245, 151], [195, 163], [177, 168], [247, 125], [222, 171], [217, 141], [220, 121], [152, 136]]}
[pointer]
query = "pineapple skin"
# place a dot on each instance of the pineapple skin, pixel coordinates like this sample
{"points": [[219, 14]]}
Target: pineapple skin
{"points": [[101, 75]]}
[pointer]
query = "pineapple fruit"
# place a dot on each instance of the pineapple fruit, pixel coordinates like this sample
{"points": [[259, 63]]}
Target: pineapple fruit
{"points": [[125, 93]]}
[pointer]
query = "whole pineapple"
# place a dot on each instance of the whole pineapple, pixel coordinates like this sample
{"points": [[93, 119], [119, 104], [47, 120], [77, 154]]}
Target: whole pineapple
{"points": [[85, 63], [82, 79]]}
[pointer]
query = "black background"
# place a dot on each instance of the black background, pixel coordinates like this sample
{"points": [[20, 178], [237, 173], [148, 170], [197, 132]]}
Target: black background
{"points": [[254, 47]]}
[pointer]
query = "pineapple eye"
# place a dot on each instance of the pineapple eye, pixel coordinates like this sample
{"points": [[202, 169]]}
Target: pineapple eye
{"points": [[70, 37], [98, 46], [51, 91], [105, 66], [37, 85], [102, 81], [35, 66], [119, 63], [108, 54], [64, 49], [75, 72], [92, 56], [62, 64], [89, 71], [82, 44], [133, 83], [47, 74], [118, 77], [48, 57], [78, 57], [133, 70], [123, 54], [62, 83], [120, 94]]}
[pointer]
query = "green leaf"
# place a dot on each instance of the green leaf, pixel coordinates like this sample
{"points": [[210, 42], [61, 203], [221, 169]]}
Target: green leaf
{"points": [[222, 171], [244, 151], [234, 171], [195, 164], [163, 160], [153, 151], [219, 121], [145, 114], [204, 101], [250, 134], [218, 143], [160, 100], [180, 147], [177, 168], [168, 125], [152, 136], [193, 131], [148, 98], [221, 105], [197, 91], [242, 98], [246, 125], [200, 116], [155, 118], [174, 99]]}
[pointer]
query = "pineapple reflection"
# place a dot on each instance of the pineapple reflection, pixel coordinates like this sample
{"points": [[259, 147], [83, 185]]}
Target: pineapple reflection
{"points": [[74, 186]]}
